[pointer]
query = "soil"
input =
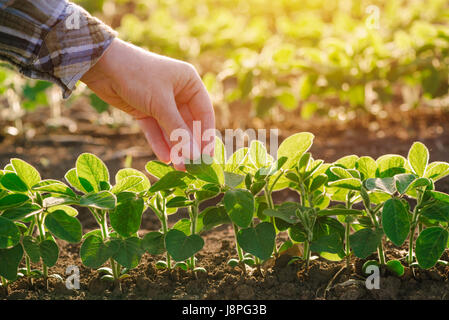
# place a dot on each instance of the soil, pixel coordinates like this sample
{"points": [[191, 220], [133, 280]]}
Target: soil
{"points": [[276, 280], [53, 150]]}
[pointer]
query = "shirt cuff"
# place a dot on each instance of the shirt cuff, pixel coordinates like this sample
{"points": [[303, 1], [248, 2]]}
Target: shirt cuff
{"points": [[70, 48]]}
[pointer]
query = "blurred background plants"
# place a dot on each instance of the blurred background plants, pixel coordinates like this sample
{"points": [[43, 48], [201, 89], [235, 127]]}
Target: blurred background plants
{"points": [[334, 59]]}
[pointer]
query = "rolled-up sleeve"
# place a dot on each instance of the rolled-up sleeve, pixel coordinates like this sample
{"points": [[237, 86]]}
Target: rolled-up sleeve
{"points": [[52, 40]]}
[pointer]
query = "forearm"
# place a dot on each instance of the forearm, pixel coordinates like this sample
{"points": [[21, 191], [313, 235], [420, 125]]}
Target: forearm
{"points": [[51, 40]]}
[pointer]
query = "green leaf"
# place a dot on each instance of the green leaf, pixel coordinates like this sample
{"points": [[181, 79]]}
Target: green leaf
{"points": [[26, 172], [127, 184], [331, 243], [396, 267], [97, 103], [404, 181], [233, 263], [123, 174], [9, 233], [103, 200], [349, 183], [179, 202], [12, 182], [180, 246], [395, 221], [239, 205], [13, 200], [294, 147], [158, 169], [430, 245], [213, 217], [95, 232], [129, 252], [258, 241], [73, 180], [71, 211], [364, 242], [64, 226], [390, 165], [154, 243], [287, 100], [246, 84], [59, 201], [49, 252], [233, 180], [219, 152], [127, 216], [22, 212], [94, 252], [418, 157], [318, 182], [437, 210], [440, 196], [306, 85], [10, 259], [183, 225], [237, 159], [308, 109], [437, 171], [54, 186], [297, 233], [341, 173], [173, 179], [258, 154], [91, 169], [286, 212], [207, 171], [369, 263], [367, 166], [32, 248], [207, 192], [339, 211], [387, 185], [348, 162]]}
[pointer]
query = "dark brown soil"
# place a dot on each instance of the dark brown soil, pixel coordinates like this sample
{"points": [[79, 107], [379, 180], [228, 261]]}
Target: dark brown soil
{"points": [[54, 150], [277, 281]]}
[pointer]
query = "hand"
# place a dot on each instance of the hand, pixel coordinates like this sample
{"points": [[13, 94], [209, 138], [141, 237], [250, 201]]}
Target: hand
{"points": [[163, 94]]}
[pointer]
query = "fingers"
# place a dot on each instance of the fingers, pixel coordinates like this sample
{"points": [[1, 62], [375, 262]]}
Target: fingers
{"points": [[183, 146], [201, 109], [155, 138]]}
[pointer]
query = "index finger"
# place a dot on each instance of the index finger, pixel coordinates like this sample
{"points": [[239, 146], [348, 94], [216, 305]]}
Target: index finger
{"points": [[201, 108]]}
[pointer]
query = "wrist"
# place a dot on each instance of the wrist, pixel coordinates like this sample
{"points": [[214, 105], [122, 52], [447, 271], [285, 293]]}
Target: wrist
{"points": [[105, 67]]}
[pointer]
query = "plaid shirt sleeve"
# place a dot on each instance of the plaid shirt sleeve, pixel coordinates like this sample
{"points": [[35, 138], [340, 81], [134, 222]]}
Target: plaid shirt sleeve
{"points": [[52, 40]]}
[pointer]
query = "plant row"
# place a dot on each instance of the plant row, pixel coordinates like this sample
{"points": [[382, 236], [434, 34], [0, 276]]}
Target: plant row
{"points": [[351, 207], [313, 54]]}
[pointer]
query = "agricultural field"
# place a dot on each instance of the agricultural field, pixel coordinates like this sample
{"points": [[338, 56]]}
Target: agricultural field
{"points": [[359, 93]]}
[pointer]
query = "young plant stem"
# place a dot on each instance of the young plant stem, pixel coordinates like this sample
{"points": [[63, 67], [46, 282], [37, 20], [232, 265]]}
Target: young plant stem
{"points": [[239, 249], [306, 256], [347, 233], [164, 222], [380, 252], [193, 211], [413, 226], [115, 270], [347, 245], [380, 248], [103, 221], [39, 221], [269, 200], [4, 285], [27, 259]]}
